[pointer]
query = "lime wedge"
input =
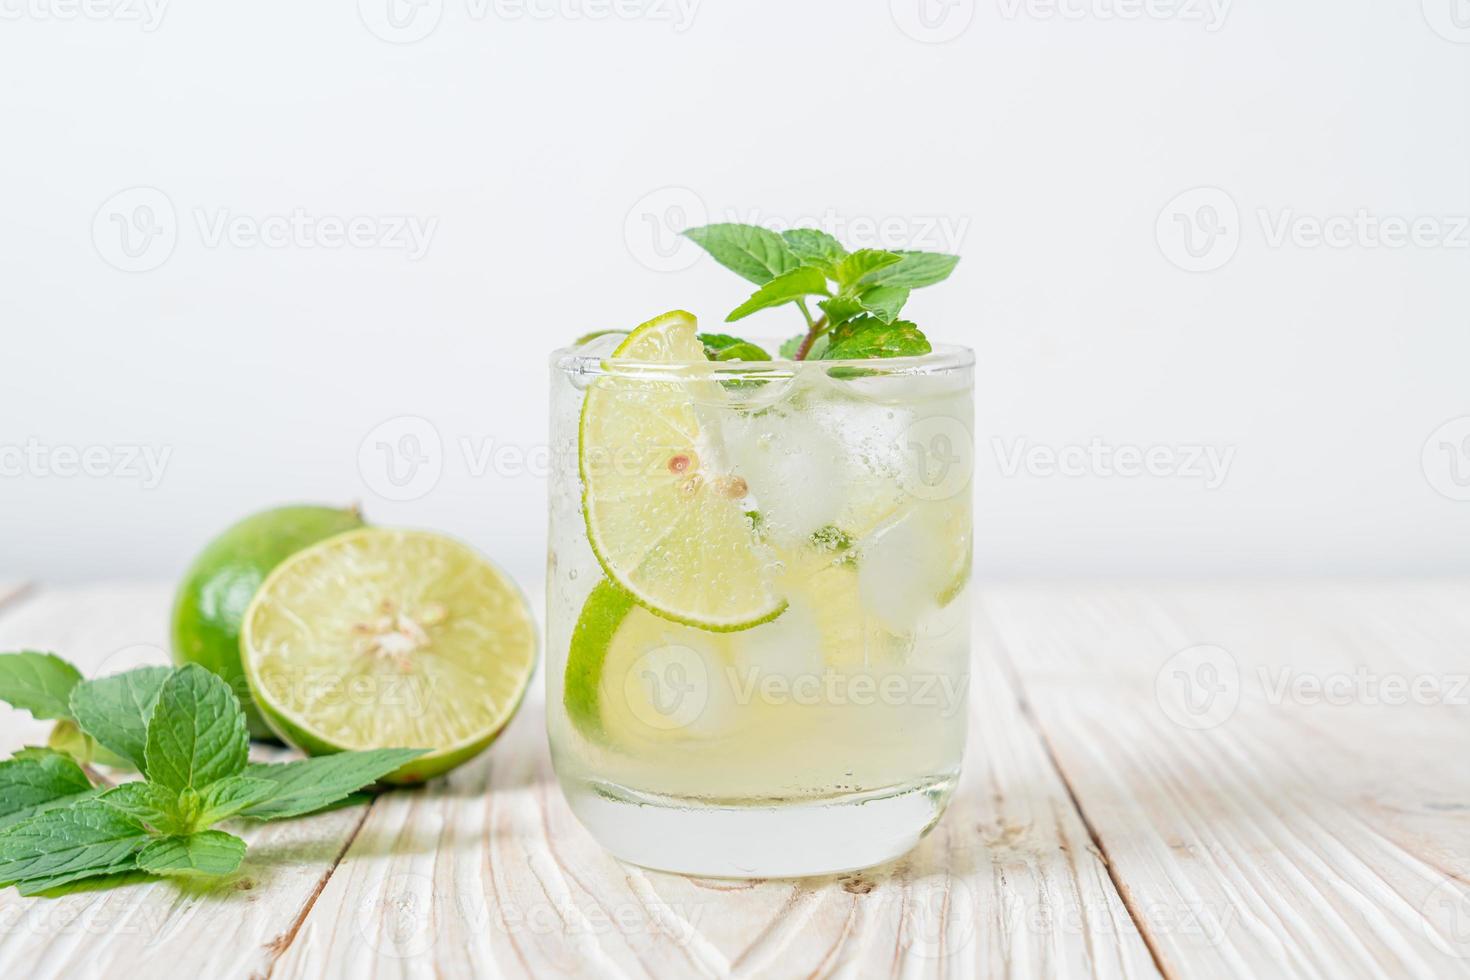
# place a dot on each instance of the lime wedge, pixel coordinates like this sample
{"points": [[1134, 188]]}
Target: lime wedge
{"points": [[666, 523], [383, 638]]}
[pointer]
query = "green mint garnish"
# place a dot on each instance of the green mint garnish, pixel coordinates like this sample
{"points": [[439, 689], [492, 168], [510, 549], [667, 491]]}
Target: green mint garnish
{"points": [[196, 733], [723, 347], [114, 711], [185, 731], [40, 683], [866, 289], [206, 852], [36, 780]]}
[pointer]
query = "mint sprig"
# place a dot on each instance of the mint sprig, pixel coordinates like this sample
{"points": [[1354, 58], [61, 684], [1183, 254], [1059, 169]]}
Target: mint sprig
{"points": [[185, 731], [864, 290]]}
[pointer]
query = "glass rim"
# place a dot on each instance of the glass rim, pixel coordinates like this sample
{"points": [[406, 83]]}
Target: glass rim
{"points": [[943, 359]]}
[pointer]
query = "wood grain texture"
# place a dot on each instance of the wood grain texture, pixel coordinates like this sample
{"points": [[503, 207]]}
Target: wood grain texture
{"points": [[489, 874], [1253, 823], [1311, 820], [234, 928]]}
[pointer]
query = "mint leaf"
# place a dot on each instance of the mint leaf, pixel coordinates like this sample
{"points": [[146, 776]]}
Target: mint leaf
{"points": [[811, 245], [785, 288], [723, 347], [149, 803], [915, 269], [863, 263], [232, 796], [756, 253], [840, 308], [37, 779], [196, 734], [870, 337], [208, 852], [64, 845], [40, 683], [115, 710], [308, 785], [884, 302]]}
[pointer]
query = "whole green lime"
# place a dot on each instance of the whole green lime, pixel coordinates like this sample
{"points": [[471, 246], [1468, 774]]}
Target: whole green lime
{"points": [[219, 585]]}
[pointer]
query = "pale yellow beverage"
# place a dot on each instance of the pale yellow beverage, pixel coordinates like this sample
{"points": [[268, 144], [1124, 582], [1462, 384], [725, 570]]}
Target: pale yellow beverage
{"points": [[758, 601]]}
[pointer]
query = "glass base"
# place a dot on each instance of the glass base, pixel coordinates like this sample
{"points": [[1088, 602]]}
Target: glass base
{"points": [[760, 838]]}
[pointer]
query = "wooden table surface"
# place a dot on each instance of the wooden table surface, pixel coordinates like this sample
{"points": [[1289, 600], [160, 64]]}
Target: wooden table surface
{"points": [[1224, 780]]}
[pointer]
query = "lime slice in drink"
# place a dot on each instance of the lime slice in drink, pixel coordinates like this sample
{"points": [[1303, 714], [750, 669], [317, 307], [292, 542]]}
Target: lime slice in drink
{"points": [[666, 523], [633, 678], [383, 638]]}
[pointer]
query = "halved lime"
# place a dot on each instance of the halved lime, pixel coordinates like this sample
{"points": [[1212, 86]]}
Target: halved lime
{"points": [[383, 638], [219, 585], [666, 523]]}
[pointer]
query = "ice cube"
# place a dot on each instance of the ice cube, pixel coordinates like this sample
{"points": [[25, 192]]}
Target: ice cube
{"points": [[788, 647], [797, 470], [901, 571]]}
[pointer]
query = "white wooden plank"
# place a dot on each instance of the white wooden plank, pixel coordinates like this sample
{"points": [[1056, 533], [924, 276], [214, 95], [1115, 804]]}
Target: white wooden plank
{"points": [[487, 873], [1291, 838], [234, 928]]}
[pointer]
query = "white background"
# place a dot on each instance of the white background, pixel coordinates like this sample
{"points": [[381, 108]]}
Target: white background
{"points": [[551, 147]]}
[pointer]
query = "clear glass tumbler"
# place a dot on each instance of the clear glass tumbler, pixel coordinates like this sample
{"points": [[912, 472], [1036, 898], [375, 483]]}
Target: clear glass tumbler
{"points": [[774, 684]]}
